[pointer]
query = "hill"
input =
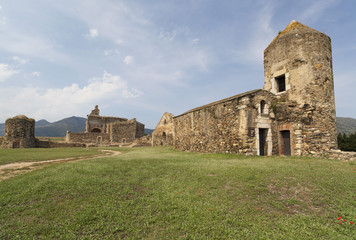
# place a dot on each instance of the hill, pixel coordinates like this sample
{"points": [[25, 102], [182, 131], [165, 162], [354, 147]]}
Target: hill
{"points": [[59, 128], [346, 125]]}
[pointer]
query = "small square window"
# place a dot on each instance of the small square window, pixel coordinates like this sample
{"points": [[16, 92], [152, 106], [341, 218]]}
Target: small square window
{"points": [[281, 83]]}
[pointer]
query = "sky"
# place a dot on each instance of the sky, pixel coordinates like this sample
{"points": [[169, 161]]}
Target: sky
{"points": [[139, 58]]}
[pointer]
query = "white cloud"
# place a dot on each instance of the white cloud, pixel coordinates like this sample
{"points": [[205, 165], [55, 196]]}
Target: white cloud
{"points": [[20, 60], [36, 74], [93, 33], [168, 36], [6, 71], [0, 7], [56, 103], [196, 41], [128, 60], [110, 52]]}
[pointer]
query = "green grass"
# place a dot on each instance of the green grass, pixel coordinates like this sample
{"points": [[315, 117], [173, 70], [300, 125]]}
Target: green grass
{"points": [[52, 139], [159, 193], [42, 154]]}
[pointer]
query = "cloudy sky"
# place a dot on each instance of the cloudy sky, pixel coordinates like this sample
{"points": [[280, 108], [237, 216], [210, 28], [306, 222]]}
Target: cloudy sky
{"points": [[141, 58]]}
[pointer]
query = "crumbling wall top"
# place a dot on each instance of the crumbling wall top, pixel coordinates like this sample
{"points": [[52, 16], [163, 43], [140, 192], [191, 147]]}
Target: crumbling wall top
{"points": [[95, 112]]}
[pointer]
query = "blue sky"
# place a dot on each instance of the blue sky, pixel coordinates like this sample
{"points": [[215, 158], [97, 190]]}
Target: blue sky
{"points": [[139, 58]]}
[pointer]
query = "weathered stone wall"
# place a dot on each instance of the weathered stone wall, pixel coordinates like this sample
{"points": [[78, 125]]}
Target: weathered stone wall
{"points": [[229, 125], [307, 106], [164, 132], [145, 141], [342, 155], [102, 123], [54, 144], [97, 138], [19, 132], [123, 132], [140, 129]]}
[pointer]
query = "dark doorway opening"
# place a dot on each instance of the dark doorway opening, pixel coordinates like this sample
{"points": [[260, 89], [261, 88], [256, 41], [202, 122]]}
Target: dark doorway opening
{"points": [[97, 130], [164, 136], [286, 148], [262, 133], [16, 145]]}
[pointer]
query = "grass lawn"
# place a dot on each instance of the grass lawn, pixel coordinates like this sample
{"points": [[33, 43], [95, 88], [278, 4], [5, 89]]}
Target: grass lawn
{"points": [[159, 193], [42, 154]]}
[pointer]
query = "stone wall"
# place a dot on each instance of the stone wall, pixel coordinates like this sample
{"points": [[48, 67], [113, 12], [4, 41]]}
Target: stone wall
{"points": [[140, 129], [101, 124], [55, 144], [342, 155], [123, 132], [97, 138], [19, 132], [163, 134], [229, 125]]}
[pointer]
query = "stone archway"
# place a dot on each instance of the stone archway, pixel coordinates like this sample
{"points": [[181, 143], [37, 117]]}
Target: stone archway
{"points": [[96, 130]]}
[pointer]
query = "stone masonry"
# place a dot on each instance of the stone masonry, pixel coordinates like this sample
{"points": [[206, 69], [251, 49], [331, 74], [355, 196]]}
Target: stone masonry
{"points": [[102, 130], [294, 114], [163, 134], [19, 132]]}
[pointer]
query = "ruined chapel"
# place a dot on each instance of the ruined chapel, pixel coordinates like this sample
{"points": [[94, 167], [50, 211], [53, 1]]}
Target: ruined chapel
{"points": [[294, 113], [107, 130]]}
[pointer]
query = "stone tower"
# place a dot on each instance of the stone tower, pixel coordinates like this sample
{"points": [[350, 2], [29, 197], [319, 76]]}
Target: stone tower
{"points": [[298, 70], [19, 132]]}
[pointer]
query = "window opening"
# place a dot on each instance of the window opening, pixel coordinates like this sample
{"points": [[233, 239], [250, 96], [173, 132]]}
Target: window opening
{"points": [[262, 105], [281, 83]]}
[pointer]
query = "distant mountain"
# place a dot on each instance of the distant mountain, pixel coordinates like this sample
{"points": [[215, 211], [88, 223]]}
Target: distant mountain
{"points": [[42, 123], [346, 125], [59, 128], [2, 129], [149, 131]]}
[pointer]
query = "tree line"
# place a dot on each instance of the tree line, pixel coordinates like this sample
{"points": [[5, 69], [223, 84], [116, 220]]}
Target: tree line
{"points": [[347, 142]]}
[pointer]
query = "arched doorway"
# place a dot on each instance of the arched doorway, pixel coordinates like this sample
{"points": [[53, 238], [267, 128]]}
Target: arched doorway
{"points": [[97, 130]]}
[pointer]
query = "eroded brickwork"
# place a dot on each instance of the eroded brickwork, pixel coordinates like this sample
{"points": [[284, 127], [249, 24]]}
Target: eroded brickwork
{"points": [[302, 56], [102, 130], [294, 114], [19, 132], [164, 132], [230, 125]]}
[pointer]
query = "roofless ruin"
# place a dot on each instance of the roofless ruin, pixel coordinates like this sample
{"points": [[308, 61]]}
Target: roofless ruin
{"points": [[294, 113]]}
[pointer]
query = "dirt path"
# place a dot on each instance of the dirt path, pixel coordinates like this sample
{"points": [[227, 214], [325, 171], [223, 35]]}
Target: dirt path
{"points": [[14, 169]]}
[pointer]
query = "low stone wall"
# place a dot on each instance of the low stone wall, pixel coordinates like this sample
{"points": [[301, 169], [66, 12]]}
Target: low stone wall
{"points": [[145, 141], [51, 144], [342, 155], [99, 138]]}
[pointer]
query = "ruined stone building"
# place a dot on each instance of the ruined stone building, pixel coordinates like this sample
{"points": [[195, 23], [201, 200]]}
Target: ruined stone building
{"points": [[163, 133], [107, 130], [294, 113], [19, 132]]}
